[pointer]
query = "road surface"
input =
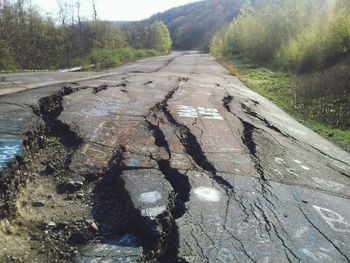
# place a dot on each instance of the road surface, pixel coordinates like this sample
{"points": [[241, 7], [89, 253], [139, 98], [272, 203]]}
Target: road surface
{"points": [[168, 159]]}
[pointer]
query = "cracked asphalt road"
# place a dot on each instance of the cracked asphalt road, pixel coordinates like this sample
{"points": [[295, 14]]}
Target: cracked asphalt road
{"points": [[208, 170]]}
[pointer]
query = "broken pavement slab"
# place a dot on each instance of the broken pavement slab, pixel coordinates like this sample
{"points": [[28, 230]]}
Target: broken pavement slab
{"points": [[152, 198], [124, 249]]}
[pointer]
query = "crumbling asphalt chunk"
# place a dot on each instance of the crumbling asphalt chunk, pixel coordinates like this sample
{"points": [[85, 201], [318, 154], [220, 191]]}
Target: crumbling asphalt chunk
{"points": [[127, 248]]}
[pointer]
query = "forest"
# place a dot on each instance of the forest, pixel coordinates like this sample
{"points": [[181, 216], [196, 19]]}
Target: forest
{"points": [[192, 26], [29, 40], [306, 42]]}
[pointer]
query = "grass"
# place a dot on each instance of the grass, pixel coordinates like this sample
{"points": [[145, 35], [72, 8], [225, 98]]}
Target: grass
{"points": [[278, 87], [104, 58]]}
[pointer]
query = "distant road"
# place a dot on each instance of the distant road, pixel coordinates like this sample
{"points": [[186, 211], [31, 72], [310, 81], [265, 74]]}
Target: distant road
{"points": [[210, 171]]}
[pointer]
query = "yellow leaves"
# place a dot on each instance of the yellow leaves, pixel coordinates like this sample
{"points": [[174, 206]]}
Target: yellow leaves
{"points": [[216, 46], [162, 40], [297, 35]]}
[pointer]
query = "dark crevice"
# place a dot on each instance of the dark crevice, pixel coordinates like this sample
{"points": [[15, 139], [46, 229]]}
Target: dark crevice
{"points": [[180, 184], [166, 64], [178, 181], [227, 101], [192, 146], [189, 141], [136, 71], [333, 167], [159, 136], [51, 108], [268, 224], [248, 141], [182, 188], [108, 209], [270, 227], [325, 154], [344, 174], [247, 138], [248, 111], [194, 149], [98, 89], [160, 106], [186, 137], [113, 209]]}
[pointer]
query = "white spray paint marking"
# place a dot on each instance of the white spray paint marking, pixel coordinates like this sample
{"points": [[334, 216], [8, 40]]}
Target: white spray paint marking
{"points": [[109, 81], [209, 113], [291, 171], [85, 149], [318, 256], [324, 249], [207, 194], [300, 232], [340, 165], [328, 184], [277, 172], [150, 197], [153, 212], [193, 112], [178, 160], [322, 147], [225, 255], [305, 167], [297, 161], [333, 219], [280, 160], [230, 149], [188, 111]]}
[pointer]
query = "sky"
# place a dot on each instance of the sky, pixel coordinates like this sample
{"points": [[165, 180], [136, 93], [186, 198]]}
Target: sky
{"points": [[116, 10]]}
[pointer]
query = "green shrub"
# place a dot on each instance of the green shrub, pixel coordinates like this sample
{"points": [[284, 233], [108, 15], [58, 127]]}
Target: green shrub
{"points": [[301, 53], [300, 36], [321, 45], [6, 60], [103, 58]]}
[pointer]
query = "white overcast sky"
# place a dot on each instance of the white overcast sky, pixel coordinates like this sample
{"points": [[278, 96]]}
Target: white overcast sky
{"points": [[120, 10]]}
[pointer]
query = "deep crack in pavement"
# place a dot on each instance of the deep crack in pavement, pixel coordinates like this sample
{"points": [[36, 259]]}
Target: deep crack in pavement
{"points": [[168, 159]]}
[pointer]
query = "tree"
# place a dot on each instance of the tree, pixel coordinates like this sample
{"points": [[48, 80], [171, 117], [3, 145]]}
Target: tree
{"points": [[160, 37], [94, 10], [6, 61]]}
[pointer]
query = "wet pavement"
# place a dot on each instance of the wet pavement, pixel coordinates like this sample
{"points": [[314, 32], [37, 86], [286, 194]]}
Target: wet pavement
{"points": [[209, 170]]}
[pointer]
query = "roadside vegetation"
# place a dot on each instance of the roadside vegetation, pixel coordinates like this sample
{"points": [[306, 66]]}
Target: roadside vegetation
{"points": [[107, 57], [299, 57], [29, 40]]}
